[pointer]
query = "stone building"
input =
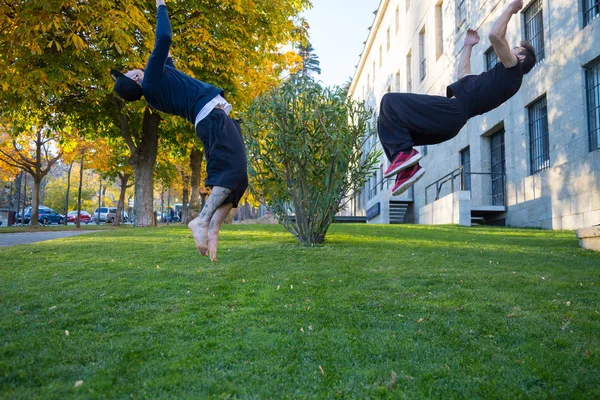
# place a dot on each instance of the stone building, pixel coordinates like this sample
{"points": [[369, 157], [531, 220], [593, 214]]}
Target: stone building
{"points": [[534, 161]]}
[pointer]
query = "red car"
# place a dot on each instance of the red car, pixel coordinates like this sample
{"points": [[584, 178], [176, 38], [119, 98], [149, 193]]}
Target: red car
{"points": [[85, 217]]}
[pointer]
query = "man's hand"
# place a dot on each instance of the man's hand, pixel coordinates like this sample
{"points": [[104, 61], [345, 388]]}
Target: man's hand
{"points": [[472, 37], [516, 6], [162, 3]]}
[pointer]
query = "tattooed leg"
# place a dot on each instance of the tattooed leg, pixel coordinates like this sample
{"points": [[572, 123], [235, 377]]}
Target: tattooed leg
{"points": [[214, 227], [199, 226]]}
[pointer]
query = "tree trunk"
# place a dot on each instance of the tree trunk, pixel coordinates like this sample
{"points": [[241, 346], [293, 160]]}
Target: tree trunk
{"points": [[124, 178], [99, 203], [18, 192], [196, 169], [142, 161], [24, 198], [35, 202], [79, 191], [162, 203], [185, 178], [203, 196], [67, 194]]}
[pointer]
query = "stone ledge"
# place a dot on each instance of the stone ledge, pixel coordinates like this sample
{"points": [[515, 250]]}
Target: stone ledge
{"points": [[589, 238]]}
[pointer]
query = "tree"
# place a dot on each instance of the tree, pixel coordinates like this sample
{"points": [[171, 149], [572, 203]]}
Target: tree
{"points": [[56, 54], [32, 151], [310, 61], [305, 146]]}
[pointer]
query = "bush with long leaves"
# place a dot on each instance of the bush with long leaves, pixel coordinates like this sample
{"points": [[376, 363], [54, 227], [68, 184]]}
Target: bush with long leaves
{"points": [[306, 154]]}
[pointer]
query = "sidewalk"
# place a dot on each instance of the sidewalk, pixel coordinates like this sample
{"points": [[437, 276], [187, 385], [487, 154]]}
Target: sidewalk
{"points": [[13, 239]]}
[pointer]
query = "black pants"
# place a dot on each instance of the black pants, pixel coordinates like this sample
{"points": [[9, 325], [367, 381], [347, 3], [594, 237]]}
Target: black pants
{"points": [[409, 119], [225, 154]]}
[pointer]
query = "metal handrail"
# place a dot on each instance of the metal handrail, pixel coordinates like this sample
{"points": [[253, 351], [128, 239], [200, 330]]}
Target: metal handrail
{"points": [[460, 171]]}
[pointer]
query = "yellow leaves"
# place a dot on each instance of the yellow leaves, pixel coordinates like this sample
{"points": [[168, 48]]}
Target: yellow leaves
{"points": [[76, 41], [56, 45]]}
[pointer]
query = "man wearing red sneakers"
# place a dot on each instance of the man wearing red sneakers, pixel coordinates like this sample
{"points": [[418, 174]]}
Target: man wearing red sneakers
{"points": [[408, 119]]}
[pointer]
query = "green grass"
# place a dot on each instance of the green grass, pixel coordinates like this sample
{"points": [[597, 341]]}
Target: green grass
{"points": [[377, 312]]}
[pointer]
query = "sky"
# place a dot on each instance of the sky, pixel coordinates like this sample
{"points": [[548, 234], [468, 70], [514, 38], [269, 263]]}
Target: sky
{"points": [[338, 29]]}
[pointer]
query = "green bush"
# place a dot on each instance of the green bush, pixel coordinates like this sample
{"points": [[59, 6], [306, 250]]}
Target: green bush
{"points": [[306, 154]]}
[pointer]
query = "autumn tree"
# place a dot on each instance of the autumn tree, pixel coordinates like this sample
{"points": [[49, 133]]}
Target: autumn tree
{"points": [[32, 147], [56, 54]]}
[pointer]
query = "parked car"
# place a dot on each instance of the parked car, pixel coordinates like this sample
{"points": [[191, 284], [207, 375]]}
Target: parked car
{"points": [[101, 217], [112, 211], [85, 217], [46, 216]]}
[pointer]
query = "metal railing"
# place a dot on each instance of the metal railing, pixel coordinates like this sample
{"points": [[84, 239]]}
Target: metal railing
{"points": [[461, 173]]}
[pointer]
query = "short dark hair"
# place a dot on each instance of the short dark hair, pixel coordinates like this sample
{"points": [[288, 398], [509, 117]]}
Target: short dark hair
{"points": [[530, 59]]}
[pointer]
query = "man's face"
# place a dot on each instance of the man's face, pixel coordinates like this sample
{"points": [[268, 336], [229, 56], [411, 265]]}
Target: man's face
{"points": [[137, 75], [519, 52]]}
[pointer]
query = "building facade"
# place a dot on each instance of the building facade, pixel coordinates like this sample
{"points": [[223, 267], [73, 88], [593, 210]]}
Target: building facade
{"points": [[532, 162]]}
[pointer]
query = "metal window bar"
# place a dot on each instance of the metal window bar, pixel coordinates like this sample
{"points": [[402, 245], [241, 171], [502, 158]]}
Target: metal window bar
{"points": [[491, 59], [593, 100], [539, 146], [423, 69], [461, 13], [465, 161], [591, 9], [534, 28], [498, 168]]}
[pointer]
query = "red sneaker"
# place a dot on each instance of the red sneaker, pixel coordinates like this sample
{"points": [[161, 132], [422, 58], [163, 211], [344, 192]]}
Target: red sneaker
{"points": [[402, 161], [407, 178]]}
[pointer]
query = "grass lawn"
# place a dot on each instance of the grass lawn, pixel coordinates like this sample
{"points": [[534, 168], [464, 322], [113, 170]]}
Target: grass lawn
{"points": [[377, 312]]}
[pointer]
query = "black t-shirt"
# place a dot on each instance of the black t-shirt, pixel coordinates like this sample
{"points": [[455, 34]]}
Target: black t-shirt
{"points": [[484, 92]]}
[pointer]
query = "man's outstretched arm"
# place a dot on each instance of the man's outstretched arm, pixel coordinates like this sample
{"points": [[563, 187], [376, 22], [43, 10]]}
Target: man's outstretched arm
{"points": [[162, 44], [464, 65], [498, 35]]}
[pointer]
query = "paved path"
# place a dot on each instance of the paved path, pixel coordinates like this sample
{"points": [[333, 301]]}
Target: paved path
{"points": [[12, 239]]}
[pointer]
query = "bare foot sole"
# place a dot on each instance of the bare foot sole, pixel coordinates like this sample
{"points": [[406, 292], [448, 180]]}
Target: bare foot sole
{"points": [[213, 241], [200, 232]]}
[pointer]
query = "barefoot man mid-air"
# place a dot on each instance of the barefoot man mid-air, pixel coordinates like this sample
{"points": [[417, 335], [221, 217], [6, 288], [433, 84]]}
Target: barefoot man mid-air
{"points": [[173, 92]]}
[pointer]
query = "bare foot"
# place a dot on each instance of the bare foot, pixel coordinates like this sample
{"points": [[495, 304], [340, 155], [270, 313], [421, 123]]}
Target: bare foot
{"points": [[213, 241], [200, 231]]}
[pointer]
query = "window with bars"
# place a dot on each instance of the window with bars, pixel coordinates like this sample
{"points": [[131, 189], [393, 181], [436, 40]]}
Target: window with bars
{"points": [[422, 54], [461, 13], [397, 85], [439, 31], [409, 73], [491, 59], [539, 146], [381, 177], [373, 186], [534, 28], [498, 168], [374, 69], [397, 19], [591, 9], [388, 39], [592, 75], [465, 162]]}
